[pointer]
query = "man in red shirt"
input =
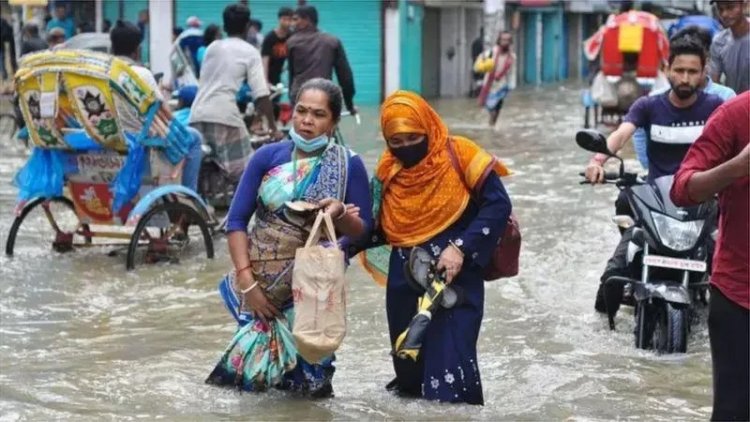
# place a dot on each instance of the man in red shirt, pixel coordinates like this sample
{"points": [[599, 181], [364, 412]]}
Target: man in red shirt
{"points": [[719, 162]]}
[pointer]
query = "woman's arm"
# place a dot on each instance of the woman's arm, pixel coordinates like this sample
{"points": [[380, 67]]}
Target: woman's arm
{"points": [[480, 238], [242, 208]]}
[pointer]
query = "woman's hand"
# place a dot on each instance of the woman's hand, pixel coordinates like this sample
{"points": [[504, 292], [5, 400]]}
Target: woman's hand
{"points": [[352, 210], [345, 217], [255, 300], [335, 208], [451, 261]]}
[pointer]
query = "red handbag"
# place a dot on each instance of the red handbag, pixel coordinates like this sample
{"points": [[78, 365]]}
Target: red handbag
{"points": [[504, 260]]}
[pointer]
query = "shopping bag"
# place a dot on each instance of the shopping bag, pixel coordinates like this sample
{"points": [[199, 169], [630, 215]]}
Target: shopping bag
{"points": [[319, 292]]}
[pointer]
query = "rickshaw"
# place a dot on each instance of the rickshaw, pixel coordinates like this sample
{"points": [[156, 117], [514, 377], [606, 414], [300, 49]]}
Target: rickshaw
{"points": [[631, 49], [86, 178]]}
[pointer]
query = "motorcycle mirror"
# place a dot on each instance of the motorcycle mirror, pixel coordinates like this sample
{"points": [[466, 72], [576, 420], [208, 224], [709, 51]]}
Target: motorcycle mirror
{"points": [[594, 141]]}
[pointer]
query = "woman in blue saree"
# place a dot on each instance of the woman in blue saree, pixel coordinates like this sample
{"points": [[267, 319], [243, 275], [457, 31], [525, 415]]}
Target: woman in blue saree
{"points": [[309, 167]]}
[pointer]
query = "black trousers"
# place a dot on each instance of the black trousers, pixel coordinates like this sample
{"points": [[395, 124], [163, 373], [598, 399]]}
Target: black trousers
{"points": [[617, 264], [728, 328]]}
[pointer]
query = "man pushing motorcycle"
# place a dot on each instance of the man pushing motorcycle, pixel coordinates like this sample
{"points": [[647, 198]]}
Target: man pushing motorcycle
{"points": [[672, 121]]}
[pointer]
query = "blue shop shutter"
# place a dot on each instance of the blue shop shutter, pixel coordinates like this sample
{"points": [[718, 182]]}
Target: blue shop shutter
{"points": [[357, 23]]}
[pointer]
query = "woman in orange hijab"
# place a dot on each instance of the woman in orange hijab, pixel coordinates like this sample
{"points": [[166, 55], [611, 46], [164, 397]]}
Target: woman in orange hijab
{"points": [[442, 193]]}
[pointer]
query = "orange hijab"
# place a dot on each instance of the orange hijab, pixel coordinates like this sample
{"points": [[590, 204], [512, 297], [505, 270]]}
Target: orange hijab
{"points": [[420, 202]]}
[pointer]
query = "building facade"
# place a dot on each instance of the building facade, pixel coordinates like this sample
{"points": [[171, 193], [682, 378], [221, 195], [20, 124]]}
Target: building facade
{"points": [[419, 45]]}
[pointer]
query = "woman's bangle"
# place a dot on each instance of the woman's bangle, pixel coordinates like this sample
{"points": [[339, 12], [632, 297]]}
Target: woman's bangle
{"points": [[237, 272], [343, 213], [252, 286]]}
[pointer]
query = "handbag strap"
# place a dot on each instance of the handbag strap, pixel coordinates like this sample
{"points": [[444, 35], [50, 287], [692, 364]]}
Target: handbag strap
{"points": [[316, 230], [457, 167]]}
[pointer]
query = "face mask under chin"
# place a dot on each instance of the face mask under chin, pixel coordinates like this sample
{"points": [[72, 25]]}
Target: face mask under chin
{"points": [[309, 145], [411, 155]]}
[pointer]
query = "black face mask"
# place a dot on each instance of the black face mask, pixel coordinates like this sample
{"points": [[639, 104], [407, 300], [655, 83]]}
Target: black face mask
{"points": [[411, 155]]}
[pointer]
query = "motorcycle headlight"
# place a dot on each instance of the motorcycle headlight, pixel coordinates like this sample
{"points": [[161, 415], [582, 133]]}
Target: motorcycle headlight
{"points": [[677, 235]]}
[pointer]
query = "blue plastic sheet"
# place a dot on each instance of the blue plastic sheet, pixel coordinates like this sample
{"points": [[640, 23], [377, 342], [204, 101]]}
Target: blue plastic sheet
{"points": [[127, 183], [42, 175]]}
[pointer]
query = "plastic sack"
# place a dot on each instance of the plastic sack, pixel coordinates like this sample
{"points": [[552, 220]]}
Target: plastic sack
{"points": [[603, 92], [43, 175], [127, 183], [319, 291], [485, 63]]}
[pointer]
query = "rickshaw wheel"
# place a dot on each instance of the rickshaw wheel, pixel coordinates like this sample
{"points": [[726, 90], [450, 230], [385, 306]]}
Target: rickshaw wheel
{"points": [[50, 220], [164, 232]]}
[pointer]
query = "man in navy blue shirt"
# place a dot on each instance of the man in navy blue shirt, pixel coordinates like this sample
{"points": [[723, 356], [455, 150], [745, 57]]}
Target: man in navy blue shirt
{"points": [[672, 121]]}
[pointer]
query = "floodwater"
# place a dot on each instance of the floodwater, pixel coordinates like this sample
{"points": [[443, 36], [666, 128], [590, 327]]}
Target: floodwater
{"points": [[81, 338]]}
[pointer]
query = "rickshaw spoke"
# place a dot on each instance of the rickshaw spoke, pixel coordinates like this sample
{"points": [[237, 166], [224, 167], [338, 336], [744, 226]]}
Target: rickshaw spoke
{"points": [[50, 217]]}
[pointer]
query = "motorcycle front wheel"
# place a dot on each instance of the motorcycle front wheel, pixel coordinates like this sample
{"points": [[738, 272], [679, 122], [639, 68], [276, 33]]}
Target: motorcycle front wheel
{"points": [[661, 326]]}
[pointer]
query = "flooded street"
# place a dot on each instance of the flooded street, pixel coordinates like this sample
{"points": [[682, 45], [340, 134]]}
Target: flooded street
{"points": [[81, 338]]}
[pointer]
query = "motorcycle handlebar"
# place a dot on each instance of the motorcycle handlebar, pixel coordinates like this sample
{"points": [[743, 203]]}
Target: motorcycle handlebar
{"points": [[611, 177]]}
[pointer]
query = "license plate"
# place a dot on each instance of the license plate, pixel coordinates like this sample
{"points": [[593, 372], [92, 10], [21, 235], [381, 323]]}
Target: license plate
{"points": [[674, 263]]}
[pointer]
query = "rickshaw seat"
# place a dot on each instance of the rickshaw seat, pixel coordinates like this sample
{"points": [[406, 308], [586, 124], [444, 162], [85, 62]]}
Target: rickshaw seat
{"points": [[59, 86]]}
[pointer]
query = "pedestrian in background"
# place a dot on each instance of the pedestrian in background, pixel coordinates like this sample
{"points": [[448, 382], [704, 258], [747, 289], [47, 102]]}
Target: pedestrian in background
{"points": [[7, 50], [274, 52], [55, 37], [254, 36], [30, 39], [499, 66], [315, 54], [730, 51], [62, 20], [477, 47]]}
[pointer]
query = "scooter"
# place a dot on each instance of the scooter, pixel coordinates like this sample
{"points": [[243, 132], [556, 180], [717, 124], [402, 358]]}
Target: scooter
{"points": [[668, 256]]}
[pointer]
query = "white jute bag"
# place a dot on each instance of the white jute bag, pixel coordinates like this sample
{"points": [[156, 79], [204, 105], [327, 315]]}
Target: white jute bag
{"points": [[319, 291]]}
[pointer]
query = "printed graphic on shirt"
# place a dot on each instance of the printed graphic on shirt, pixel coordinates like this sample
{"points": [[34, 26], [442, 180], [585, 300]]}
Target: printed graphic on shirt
{"points": [[677, 133]]}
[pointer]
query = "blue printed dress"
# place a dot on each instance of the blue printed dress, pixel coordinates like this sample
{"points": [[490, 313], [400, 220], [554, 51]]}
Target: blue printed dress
{"points": [[447, 369]]}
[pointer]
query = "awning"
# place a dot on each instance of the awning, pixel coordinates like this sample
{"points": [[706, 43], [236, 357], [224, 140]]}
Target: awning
{"points": [[27, 2]]}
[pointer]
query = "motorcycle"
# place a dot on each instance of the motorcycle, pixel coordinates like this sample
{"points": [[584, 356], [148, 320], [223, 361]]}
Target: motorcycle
{"points": [[668, 257]]}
